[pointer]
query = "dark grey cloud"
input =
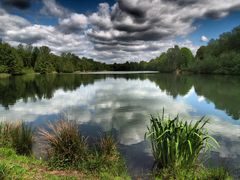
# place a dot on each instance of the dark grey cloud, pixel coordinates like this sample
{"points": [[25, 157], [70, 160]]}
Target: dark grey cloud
{"points": [[130, 9], [20, 4], [181, 2], [155, 20]]}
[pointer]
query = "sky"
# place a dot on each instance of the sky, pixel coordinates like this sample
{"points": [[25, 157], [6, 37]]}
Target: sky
{"points": [[116, 30]]}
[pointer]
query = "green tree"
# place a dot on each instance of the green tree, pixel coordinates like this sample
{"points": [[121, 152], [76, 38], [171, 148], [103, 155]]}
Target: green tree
{"points": [[9, 58], [43, 62]]}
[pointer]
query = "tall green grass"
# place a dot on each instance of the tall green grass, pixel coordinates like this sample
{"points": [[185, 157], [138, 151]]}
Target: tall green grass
{"points": [[65, 145], [67, 148], [4, 171], [17, 135], [5, 134], [22, 138], [176, 143]]}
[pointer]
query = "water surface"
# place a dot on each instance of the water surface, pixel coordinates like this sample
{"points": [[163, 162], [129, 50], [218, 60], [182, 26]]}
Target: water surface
{"points": [[122, 103]]}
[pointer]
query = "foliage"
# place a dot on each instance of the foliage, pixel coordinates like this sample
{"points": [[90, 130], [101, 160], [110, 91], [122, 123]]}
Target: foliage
{"points": [[176, 143], [220, 56], [23, 59], [175, 59], [3, 69], [10, 59]]}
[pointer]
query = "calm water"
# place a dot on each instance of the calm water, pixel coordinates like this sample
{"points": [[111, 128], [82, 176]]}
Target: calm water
{"points": [[122, 104]]}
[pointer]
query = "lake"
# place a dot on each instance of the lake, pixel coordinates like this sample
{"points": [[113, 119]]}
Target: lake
{"points": [[122, 104]]}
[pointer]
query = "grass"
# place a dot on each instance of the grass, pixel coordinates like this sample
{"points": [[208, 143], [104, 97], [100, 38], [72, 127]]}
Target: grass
{"points": [[176, 147], [4, 171], [176, 143], [68, 149], [5, 134], [196, 173], [17, 135], [14, 166], [65, 145]]}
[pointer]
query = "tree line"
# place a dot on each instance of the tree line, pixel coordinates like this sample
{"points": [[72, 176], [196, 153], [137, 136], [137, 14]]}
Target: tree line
{"points": [[25, 59], [220, 56]]}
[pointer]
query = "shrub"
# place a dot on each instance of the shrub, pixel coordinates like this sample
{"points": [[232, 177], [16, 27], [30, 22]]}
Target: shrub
{"points": [[176, 143], [65, 145]]}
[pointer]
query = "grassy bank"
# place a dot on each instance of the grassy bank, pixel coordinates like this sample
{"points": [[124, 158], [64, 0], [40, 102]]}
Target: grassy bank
{"points": [[14, 166], [67, 154]]}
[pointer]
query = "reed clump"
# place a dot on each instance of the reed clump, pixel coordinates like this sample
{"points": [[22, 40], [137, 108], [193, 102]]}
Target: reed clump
{"points": [[18, 135], [176, 143], [65, 145], [67, 148]]}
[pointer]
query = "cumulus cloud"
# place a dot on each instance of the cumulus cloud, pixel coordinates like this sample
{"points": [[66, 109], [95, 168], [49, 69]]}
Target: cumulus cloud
{"points": [[51, 8], [204, 39], [155, 20], [11, 23], [129, 30], [73, 23]]}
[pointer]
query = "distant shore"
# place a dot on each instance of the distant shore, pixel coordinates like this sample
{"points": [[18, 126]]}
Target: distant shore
{"points": [[118, 72]]}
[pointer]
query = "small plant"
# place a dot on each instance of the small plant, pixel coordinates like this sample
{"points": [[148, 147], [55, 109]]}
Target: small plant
{"points": [[107, 145], [65, 145], [176, 143]]}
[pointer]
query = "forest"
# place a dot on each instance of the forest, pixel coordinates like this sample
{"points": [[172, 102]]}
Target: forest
{"points": [[220, 56]]}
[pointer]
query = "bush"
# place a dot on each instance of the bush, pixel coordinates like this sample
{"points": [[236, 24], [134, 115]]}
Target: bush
{"points": [[176, 143], [65, 145]]}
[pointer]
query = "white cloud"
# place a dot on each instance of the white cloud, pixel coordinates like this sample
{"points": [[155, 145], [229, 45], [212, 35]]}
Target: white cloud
{"points": [[129, 30], [51, 8], [204, 39]]}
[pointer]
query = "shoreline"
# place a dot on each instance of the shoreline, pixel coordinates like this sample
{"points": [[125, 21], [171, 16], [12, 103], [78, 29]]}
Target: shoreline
{"points": [[6, 75]]}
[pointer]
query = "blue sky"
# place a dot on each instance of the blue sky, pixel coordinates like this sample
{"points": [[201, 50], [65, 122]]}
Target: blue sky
{"points": [[115, 31], [212, 28]]}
